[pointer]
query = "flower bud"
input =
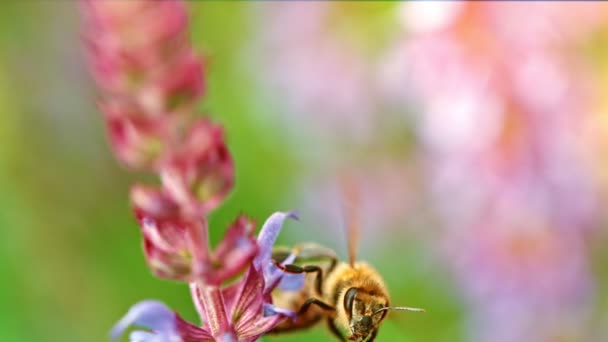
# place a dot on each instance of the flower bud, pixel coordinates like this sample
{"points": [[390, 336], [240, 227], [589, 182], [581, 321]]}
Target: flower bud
{"points": [[168, 238], [201, 172]]}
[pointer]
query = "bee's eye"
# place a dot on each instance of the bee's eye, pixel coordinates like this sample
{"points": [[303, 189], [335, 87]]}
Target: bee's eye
{"points": [[349, 299]]}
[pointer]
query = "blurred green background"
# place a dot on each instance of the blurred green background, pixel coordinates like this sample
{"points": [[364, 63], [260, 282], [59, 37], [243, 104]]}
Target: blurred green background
{"points": [[70, 255]]}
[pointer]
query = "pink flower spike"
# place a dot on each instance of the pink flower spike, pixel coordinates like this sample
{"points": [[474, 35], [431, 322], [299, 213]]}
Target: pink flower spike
{"points": [[201, 172], [150, 79]]}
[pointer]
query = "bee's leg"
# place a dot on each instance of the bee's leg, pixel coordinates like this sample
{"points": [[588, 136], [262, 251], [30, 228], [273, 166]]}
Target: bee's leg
{"points": [[334, 330], [290, 268], [317, 302], [307, 252]]}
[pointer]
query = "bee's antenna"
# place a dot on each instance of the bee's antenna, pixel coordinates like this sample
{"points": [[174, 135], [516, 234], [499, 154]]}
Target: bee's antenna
{"points": [[351, 208], [400, 308]]}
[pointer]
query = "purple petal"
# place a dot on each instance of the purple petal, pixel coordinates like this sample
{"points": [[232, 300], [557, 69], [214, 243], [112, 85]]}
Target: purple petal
{"points": [[228, 337], [267, 237], [291, 282], [271, 310], [150, 314], [144, 336]]}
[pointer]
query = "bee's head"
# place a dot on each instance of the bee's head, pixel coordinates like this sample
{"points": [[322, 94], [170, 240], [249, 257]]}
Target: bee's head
{"points": [[364, 312]]}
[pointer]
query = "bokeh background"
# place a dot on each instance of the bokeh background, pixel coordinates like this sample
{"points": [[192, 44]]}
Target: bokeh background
{"points": [[477, 134]]}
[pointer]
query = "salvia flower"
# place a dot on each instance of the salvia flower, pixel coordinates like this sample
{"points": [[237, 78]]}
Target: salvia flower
{"points": [[246, 311], [150, 78]]}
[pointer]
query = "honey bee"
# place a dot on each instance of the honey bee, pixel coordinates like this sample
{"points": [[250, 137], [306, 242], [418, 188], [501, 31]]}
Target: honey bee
{"points": [[350, 296]]}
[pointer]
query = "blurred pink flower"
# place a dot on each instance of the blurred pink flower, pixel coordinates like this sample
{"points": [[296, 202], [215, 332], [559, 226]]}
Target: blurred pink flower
{"points": [[485, 125], [317, 70], [504, 104], [317, 76], [517, 257]]}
